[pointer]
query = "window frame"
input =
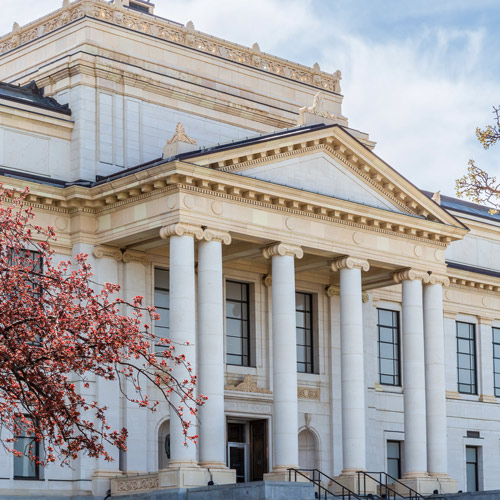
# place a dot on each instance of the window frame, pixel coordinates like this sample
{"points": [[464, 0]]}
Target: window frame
{"points": [[472, 342], [398, 459], [396, 361], [248, 330], [496, 389], [311, 364], [159, 347], [24, 457], [476, 466]]}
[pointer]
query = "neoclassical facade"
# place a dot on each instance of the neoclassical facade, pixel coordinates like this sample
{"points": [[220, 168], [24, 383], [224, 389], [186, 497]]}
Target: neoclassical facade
{"points": [[338, 317]]}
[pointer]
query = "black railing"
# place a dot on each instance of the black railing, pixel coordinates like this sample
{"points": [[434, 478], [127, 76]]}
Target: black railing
{"points": [[319, 479]]}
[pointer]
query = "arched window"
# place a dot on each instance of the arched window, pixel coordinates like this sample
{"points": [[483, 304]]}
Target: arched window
{"points": [[308, 450], [164, 445]]}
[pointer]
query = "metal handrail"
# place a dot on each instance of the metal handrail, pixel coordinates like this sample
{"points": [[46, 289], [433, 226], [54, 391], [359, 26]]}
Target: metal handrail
{"points": [[317, 475]]}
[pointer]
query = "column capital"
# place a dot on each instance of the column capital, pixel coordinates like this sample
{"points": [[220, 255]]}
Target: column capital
{"points": [[181, 229], [348, 262], [439, 279], [210, 234], [135, 256], [411, 274], [283, 249], [332, 291], [101, 251]]}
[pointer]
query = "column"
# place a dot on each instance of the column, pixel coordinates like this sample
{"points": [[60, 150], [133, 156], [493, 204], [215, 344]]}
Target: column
{"points": [[182, 329], [352, 376], [211, 361], [415, 447], [435, 386], [285, 407], [135, 418]]}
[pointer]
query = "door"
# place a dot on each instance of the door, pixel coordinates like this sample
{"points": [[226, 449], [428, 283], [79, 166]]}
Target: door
{"points": [[258, 449], [237, 454]]}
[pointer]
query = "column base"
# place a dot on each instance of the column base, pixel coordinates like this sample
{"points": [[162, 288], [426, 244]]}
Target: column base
{"points": [[350, 480], [426, 484], [283, 474]]}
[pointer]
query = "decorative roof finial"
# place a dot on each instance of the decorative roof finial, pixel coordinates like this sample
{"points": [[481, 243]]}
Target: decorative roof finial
{"points": [[179, 143]]}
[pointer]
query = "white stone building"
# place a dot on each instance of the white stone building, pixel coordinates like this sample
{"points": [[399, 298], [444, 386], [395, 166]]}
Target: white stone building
{"points": [[340, 318]]}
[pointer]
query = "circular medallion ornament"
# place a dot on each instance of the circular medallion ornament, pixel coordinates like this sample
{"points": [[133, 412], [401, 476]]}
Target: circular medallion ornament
{"points": [[439, 255], [290, 223], [171, 202], [188, 201], [357, 237], [61, 223], [418, 251], [217, 207]]}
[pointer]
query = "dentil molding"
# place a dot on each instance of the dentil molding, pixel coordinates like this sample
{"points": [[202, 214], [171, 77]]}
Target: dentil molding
{"points": [[181, 229], [348, 262]]}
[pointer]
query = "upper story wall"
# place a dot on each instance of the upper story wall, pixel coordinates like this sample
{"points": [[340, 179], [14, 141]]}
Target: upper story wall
{"points": [[129, 77]]}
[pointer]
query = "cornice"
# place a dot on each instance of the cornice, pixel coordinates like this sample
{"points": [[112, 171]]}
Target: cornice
{"points": [[181, 229], [162, 29], [411, 275], [348, 262], [282, 249]]}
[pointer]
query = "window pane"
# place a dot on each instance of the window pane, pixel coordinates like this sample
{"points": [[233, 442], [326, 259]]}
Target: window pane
{"points": [[233, 309], [301, 336], [392, 449], [233, 327], [385, 317], [386, 350], [496, 335], [304, 321], [386, 334], [300, 319], [233, 290], [237, 326], [232, 359], [464, 376], [233, 345], [162, 279], [464, 361], [300, 302], [496, 350]]}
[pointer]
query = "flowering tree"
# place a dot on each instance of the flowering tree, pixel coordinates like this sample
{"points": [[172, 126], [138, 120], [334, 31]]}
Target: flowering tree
{"points": [[477, 184], [58, 331]]}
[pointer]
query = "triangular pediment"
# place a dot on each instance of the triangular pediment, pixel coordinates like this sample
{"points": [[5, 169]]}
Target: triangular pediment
{"points": [[321, 173], [329, 161]]}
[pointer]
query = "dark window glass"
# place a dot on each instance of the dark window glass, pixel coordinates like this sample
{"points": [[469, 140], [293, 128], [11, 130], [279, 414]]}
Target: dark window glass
{"points": [[138, 7], [394, 459], [471, 460], [388, 347], [24, 468], [304, 319], [496, 360], [162, 304], [466, 357], [237, 323]]}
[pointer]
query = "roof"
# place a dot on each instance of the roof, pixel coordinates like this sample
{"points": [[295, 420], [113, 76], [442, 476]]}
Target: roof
{"points": [[466, 207], [473, 269], [31, 95]]}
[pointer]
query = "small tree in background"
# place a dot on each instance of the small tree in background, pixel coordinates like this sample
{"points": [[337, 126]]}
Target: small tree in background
{"points": [[477, 185], [58, 329]]}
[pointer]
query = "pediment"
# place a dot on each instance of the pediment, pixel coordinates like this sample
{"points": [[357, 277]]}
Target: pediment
{"points": [[329, 161], [321, 173]]}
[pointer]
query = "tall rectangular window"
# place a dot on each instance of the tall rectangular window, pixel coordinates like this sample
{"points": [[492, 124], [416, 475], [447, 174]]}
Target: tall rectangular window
{"points": [[472, 466], [496, 361], [237, 323], [388, 347], [162, 303], [24, 468], [304, 318], [466, 358], [394, 459]]}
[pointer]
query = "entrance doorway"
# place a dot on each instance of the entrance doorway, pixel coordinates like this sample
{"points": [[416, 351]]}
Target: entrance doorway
{"points": [[247, 449]]}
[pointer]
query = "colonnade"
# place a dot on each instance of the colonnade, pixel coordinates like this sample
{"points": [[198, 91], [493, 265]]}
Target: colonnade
{"points": [[423, 355]]}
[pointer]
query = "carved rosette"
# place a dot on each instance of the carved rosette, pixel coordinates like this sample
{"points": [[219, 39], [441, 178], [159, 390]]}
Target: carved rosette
{"points": [[134, 256], [348, 262], [103, 251], [181, 229], [439, 279], [283, 249], [411, 274], [216, 235]]}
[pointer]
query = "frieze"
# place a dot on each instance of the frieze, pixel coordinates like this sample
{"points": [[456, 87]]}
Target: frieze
{"points": [[187, 36], [308, 393], [124, 485], [248, 385]]}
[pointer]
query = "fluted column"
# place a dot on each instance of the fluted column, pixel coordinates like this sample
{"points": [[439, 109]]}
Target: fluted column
{"points": [[415, 448], [352, 375], [285, 409], [211, 348], [435, 389], [182, 327]]}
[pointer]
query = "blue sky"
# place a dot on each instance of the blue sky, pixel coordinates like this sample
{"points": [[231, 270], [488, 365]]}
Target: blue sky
{"points": [[418, 76]]}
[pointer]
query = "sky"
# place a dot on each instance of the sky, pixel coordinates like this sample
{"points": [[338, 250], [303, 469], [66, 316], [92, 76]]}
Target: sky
{"points": [[418, 76]]}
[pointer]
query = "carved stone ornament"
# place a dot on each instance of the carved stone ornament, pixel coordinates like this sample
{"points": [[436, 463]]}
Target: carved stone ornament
{"points": [[411, 274], [216, 235], [283, 249], [102, 251], [332, 291], [318, 107], [440, 279], [365, 297], [267, 280], [181, 136], [308, 393], [181, 229], [347, 262], [134, 256], [124, 485], [248, 385]]}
